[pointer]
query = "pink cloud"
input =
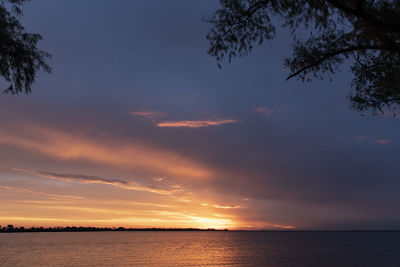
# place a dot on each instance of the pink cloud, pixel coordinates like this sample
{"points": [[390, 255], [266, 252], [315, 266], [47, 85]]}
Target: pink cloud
{"points": [[383, 141], [264, 111], [360, 138]]}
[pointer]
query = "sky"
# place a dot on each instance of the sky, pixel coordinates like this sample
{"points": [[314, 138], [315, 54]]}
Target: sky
{"points": [[136, 126]]}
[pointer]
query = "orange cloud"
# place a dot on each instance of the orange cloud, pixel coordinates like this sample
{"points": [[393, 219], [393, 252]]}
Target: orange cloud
{"points": [[227, 206], [195, 124], [153, 115], [64, 146], [28, 191]]}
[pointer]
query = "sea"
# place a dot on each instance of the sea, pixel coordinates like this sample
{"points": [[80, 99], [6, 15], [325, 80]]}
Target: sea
{"points": [[220, 248]]}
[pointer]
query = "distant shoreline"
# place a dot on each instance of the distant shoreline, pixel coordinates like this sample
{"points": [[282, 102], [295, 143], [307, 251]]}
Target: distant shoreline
{"points": [[12, 229]]}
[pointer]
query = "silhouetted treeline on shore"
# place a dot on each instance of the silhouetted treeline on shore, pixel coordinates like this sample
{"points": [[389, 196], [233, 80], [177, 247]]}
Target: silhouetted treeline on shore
{"points": [[11, 229]]}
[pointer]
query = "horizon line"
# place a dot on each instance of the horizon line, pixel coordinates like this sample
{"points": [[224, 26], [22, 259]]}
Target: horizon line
{"points": [[12, 228]]}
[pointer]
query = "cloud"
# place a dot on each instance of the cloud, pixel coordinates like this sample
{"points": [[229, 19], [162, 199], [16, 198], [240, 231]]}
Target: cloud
{"points": [[378, 141], [155, 117], [284, 226], [264, 111], [195, 124], [227, 206], [86, 179], [148, 114], [134, 155], [383, 141], [24, 190], [360, 138]]}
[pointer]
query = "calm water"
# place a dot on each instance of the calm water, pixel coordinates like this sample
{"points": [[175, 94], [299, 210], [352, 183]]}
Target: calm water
{"points": [[201, 249]]}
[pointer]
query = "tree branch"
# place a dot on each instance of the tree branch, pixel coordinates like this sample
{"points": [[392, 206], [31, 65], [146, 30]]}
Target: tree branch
{"points": [[336, 53], [248, 13], [365, 16]]}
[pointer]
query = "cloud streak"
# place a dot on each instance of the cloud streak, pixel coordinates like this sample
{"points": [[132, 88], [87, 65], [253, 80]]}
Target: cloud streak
{"points": [[86, 179], [148, 114], [195, 124], [264, 111], [285, 227], [155, 116], [383, 141], [225, 207], [28, 191]]}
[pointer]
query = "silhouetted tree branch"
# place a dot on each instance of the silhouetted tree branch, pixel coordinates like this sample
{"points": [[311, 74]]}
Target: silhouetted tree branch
{"points": [[20, 59], [368, 32], [359, 11], [326, 56]]}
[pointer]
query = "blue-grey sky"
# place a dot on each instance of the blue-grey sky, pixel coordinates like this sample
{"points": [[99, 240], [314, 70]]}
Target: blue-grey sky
{"points": [[137, 126]]}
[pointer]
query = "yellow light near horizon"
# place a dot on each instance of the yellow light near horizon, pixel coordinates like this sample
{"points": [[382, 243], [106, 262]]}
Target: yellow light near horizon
{"points": [[213, 223], [193, 222]]}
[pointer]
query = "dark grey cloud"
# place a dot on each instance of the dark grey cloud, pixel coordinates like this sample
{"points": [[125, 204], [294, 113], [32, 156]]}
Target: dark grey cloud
{"points": [[82, 178]]}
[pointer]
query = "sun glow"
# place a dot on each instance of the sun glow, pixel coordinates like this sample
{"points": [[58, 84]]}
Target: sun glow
{"points": [[70, 196], [33, 207]]}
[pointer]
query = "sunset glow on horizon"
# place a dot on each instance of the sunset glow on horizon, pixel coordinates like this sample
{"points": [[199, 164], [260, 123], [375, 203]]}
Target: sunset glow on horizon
{"points": [[157, 199]]}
